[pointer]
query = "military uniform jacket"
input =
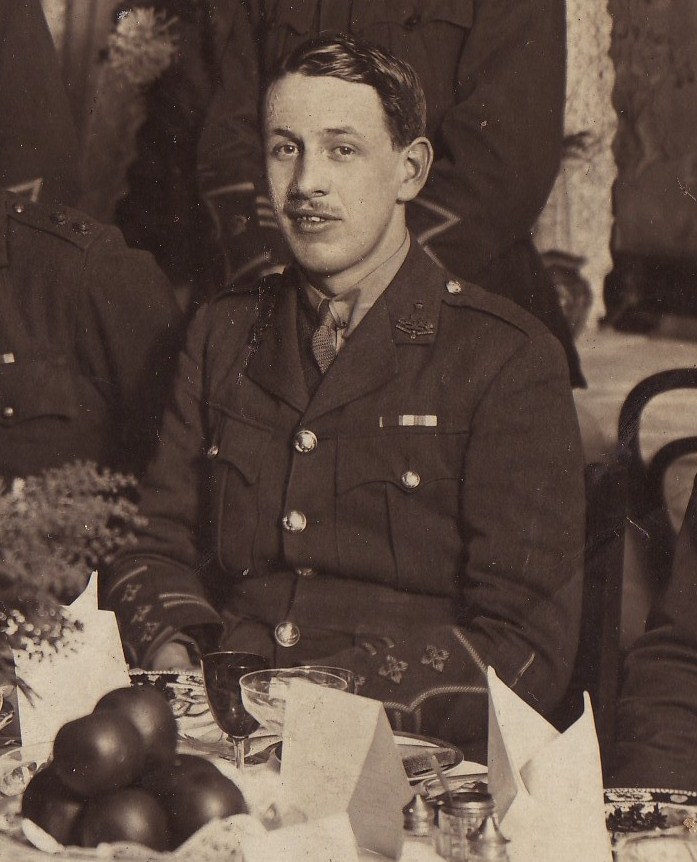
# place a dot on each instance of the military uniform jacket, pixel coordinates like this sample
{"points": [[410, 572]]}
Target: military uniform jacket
{"points": [[88, 334], [417, 518], [493, 73]]}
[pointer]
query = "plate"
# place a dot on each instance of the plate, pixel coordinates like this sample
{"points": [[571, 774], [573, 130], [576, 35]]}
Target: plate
{"points": [[631, 810]]}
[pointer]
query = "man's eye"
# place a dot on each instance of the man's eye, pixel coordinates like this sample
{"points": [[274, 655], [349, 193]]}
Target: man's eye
{"points": [[285, 151], [344, 151]]}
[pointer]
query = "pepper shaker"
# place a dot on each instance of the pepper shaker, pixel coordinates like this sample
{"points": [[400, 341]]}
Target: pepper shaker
{"points": [[419, 816], [487, 844]]}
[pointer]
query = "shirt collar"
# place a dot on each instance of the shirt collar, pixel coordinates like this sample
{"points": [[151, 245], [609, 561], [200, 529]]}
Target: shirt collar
{"points": [[351, 305]]}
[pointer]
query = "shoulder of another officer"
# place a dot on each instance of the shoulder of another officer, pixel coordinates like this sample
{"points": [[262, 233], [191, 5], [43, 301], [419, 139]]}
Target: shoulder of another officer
{"points": [[65, 223], [459, 293]]}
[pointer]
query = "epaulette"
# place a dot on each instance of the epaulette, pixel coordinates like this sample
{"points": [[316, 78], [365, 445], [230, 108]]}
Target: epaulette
{"points": [[68, 224], [465, 294]]}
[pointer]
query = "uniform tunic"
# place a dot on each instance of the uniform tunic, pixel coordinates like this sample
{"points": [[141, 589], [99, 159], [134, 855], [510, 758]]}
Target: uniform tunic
{"points": [[656, 733], [493, 73], [415, 518], [88, 334]]}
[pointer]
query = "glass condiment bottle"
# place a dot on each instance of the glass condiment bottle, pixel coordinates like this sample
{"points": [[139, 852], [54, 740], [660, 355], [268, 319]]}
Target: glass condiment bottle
{"points": [[419, 817], [458, 815], [487, 844]]}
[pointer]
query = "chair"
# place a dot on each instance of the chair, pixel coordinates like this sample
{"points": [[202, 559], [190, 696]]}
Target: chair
{"points": [[647, 506], [597, 666]]}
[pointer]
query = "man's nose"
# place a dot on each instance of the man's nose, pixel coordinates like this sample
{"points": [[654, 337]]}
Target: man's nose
{"points": [[311, 176]]}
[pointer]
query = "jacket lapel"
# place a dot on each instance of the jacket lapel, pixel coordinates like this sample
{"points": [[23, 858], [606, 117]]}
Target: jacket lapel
{"points": [[275, 366]]}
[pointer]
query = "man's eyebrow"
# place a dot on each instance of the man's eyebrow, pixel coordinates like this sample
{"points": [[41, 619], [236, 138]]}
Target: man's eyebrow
{"points": [[344, 130], [284, 133]]}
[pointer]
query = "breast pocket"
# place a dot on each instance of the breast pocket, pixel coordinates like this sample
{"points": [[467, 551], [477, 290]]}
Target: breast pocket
{"points": [[430, 35], [398, 504], [36, 390], [236, 453]]}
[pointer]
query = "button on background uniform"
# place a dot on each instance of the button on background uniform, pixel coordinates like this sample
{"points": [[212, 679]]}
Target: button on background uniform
{"points": [[286, 634], [453, 286], [305, 572], [410, 479], [294, 521], [212, 451], [305, 441], [8, 412]]}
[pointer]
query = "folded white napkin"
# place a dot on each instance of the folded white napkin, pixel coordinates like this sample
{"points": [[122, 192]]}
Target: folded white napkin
{"points": [[547, 785], [68, 683]]}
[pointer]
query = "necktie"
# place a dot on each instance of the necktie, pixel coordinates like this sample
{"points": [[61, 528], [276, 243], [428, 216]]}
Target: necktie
{"points": [[324, 337]]}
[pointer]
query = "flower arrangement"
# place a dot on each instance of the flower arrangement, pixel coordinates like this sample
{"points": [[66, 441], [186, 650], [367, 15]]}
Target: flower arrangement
{"points": [[54, 529]]}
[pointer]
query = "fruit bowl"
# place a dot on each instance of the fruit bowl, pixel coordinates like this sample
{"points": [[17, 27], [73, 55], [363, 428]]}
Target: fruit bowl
{"points": [[264, 692]]}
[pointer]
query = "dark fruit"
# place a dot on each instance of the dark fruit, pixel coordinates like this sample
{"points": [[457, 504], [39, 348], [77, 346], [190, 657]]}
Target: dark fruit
{"points": [[149, 712], [127, 815], [98, 753], [51, 805], [163, 780], [197, 795]]}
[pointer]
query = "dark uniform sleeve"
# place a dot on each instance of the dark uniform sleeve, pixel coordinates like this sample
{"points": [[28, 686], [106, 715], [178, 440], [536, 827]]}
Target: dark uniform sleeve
{"points": [[657, 712], [501, 142], [523, 509], [129, 333], [157, 593]]}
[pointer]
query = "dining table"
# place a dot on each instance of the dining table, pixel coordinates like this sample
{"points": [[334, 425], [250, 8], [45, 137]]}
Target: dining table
{"points": [[645, 824]]}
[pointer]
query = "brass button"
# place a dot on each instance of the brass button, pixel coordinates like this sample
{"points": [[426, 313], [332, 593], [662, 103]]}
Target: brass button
{"points": [[294, 521], [59, 217], [287, 634], [305, 441], [453, 286], [411, 480], [81, 227], [18, 207], [212, 451], [8, 412], [305, 572]]}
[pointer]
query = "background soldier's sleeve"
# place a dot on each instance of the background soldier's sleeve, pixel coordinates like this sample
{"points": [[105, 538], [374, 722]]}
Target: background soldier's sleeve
{"points": [[129, 333], [156, 592], [502, 141], [230, 169], [523, 518]]}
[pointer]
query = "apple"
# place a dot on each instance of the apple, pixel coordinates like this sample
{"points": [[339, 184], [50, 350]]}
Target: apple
{"points": [[163, 780], [192, 795], [126, 815], [51, 805], [149, 712], [98, 753]]}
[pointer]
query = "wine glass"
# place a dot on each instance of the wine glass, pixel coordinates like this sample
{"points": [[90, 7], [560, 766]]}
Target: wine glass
{"points": [[264, 692], [221, 678]]}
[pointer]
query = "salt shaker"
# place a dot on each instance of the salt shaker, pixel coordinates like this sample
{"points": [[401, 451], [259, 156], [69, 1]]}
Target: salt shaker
{"points": [[487, 844], [463, 812], [419, 816]]}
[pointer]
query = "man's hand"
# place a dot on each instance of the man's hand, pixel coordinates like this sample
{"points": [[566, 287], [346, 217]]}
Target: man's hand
{"points": [[172, 656]]}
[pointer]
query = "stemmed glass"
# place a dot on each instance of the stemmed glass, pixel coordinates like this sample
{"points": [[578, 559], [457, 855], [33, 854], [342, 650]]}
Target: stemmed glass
{"points": [[221, 678]]}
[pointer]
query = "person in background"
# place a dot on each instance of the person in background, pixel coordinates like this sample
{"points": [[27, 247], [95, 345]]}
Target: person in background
{"points": [[367, 462], [656, 736], [38, 141], [494, 77], [89, 330]]}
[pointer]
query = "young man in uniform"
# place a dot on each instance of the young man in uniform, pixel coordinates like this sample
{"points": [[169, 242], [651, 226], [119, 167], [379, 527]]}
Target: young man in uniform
{"points": [[366, 462]]}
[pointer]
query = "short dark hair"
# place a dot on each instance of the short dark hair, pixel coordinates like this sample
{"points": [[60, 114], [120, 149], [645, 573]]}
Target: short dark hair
{"points": [[358, 62]]}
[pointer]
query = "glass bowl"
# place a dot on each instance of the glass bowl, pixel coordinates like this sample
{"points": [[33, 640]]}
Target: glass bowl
{"points": [[264, 692]]}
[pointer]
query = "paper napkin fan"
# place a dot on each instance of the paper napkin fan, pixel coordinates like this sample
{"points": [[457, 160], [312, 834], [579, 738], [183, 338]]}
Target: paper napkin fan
{"points": [[68, 683], [547, 785]]}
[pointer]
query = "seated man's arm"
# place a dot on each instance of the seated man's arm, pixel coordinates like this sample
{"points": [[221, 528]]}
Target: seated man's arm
{"points": [[656, 733], [155, 589], [522, 511]]}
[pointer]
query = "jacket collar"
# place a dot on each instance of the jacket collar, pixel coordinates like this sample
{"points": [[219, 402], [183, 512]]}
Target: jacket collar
{"points": [[405, 314]]}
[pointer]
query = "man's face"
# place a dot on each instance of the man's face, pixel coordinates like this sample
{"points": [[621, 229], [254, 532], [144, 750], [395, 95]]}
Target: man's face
{"points": [[334, 176]]}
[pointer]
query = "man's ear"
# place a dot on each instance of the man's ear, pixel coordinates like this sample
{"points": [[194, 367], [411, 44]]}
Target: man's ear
{"points": [[417, 161]]}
